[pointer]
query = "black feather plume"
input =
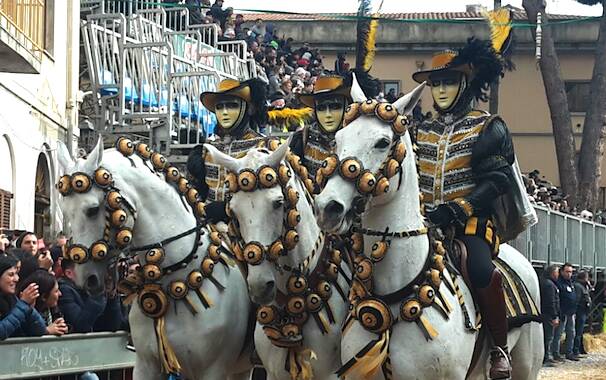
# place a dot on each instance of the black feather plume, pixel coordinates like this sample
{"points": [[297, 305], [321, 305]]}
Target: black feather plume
{"points": [[486, 64]]}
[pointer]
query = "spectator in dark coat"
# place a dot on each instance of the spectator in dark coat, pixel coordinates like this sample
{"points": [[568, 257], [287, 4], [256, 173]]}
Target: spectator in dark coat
{"points": [[550, 309], [583, 290], [83, 312], [17, 315], [568, 308]]}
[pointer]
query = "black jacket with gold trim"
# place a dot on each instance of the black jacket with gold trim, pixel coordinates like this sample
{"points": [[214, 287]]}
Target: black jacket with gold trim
{"points": [[465, 163], [313, 146]]}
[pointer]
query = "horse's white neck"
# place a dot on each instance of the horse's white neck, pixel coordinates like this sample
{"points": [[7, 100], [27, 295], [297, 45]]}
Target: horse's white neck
{"points": [[400, 211], [161, 215], [309, 232]]}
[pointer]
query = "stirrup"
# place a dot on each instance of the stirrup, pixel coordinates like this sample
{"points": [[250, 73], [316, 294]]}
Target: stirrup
{"points": [[497, 352]]}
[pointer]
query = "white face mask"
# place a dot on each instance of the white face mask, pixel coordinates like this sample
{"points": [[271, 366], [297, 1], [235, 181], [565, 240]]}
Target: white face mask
{"points": [[329, 113], [230, 112], [447, 88]]}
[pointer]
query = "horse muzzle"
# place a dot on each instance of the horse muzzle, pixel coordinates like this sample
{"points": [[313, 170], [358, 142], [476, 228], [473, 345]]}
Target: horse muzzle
{"points": [[331, 214], [262, 293], [93, 285]]}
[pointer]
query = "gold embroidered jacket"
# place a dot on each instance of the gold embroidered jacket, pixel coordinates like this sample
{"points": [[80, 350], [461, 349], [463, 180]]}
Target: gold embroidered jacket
{"points": [[318, 146], [465, 162]]}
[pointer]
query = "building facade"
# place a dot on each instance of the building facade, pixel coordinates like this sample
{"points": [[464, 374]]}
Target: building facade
{"points": [[407, 41], [39, 50]]}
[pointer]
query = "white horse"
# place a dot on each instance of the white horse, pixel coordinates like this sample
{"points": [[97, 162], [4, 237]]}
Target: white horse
{"points": [[449, 354], [160, 214], [261, 217]]}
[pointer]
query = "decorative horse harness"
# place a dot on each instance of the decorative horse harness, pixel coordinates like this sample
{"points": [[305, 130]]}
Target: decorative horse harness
{"points": [[145, 284], [308, 291], [370, 309]]}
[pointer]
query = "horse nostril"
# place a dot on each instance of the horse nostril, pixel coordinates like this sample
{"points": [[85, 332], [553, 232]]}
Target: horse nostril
{"points": [[269, 286], [92, 282], [334, 208]]}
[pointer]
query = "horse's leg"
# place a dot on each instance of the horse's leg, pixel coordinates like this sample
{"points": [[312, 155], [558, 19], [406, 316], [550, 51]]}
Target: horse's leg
{"points": [[147, 370], [526, 356]]}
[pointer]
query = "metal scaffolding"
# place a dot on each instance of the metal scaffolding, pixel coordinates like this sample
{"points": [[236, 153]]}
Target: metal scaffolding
{"points": [[147, 67]]}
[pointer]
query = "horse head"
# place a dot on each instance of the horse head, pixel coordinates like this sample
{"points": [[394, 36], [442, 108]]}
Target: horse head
{"points": [[373, 156], [103, 197], [264, 207], [84, 209]]}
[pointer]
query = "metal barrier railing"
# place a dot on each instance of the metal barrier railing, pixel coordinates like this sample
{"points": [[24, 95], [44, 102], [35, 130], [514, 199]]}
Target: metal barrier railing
{"points": [[41, 357], [558, 238], [146, 71], [27, 16], [193, 122], [208, 32], [147, 26]]}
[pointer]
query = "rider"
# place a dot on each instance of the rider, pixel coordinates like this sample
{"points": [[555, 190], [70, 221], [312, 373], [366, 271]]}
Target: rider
{"points": [[329, 99], [241, 110], [465, 162]]}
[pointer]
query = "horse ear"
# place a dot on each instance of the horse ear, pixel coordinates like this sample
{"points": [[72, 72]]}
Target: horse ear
{"points": [[95, 157], [356, 91], [406, 103], [64, 157], [279, 154], [222, 159]]}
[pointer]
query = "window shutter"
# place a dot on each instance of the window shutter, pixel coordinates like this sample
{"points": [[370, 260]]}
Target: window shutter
{"points": [[5, 209]]}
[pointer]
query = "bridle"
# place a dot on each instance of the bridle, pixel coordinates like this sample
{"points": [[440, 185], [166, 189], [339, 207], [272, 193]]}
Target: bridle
{"points": [[308, 290], [118, 210], [265, 177], [352, 170]]}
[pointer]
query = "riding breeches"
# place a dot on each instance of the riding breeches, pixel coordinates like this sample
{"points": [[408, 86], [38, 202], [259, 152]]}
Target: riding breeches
{"points": [[479, 261]]}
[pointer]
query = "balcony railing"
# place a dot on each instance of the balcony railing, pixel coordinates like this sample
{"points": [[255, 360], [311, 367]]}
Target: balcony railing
{"points": [[27, 16]]}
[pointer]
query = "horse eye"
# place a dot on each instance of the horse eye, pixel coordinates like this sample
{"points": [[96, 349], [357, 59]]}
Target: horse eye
{"points": [[278, 203], [92, 211], [382, 144]]}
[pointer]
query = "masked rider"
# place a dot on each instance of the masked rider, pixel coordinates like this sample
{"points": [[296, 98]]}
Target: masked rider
{"points": [[240, 108], [329, 99], [465, 163]]}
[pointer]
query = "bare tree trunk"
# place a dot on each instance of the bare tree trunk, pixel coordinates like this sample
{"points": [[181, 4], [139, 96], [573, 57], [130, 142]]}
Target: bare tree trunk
{"points": [[594, 129], [557, 101]]}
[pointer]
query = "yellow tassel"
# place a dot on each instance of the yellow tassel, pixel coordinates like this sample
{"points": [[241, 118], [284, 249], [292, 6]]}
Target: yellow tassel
{"points": [[368, 365], [300, 363], [129, 299], [500, 27], [288, 116], [168, 358], [428, 327], [371, 49]]}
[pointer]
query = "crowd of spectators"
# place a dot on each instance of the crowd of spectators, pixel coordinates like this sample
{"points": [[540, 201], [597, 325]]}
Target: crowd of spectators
{"points": [[286, 71], [543, 193], [39, 295], [565, 307]]}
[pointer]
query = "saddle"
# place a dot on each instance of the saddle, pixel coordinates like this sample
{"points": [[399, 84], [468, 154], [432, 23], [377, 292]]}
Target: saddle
{"points": [[520, 306]]}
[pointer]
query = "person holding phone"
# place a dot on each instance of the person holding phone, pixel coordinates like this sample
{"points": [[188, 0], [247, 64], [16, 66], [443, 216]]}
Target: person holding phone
{"points": [[18, 317], [48, 299]]}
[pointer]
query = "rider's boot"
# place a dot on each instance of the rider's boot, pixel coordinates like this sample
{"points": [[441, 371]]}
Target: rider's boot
{"points": [[492, 306]]}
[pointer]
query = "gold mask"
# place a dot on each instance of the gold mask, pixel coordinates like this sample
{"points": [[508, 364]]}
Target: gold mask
{"points": [[230, 112], [446, 88], [329, 113]]}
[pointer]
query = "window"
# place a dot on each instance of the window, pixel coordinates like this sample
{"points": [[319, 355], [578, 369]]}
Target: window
{"points": [[5, 209], [391, 88], [578, 95], [49, 26]]}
